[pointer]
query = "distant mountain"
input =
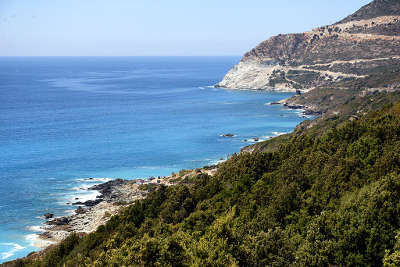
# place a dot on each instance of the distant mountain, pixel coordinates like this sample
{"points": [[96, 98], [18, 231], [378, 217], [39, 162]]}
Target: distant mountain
{"points": [[355, 47]]}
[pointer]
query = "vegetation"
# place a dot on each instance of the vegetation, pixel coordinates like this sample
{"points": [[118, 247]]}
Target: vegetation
{"points": [[331, 199]]}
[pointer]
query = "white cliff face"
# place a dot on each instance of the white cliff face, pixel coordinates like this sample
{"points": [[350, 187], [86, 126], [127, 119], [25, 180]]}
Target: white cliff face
{"points": [[254, 75], [322, 57]]}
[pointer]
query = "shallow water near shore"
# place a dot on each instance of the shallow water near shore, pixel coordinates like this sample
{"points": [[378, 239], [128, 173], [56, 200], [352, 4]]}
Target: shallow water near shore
{"points": [[64, 120]]}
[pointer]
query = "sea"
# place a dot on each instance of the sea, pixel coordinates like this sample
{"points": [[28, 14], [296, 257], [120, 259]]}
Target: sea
{"points": [[64, 120]]}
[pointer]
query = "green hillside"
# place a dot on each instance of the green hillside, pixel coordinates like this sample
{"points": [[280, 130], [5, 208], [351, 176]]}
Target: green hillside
{"points": [[327, 199]]}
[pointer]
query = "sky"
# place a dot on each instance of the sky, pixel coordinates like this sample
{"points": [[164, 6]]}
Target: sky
{"points": [[156, 27]]}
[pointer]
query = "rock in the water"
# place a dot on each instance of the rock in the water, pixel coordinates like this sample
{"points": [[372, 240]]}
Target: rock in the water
{"points": [[228, 135], [294, 106], [48, 215]]}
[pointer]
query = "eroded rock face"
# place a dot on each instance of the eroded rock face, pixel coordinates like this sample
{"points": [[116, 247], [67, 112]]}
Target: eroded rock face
{"points": [[256, 75], [353, 48]]}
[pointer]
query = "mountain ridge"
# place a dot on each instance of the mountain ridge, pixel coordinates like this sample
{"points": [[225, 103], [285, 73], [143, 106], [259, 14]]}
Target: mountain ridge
{"points": [[374, 9], [325, 55]]}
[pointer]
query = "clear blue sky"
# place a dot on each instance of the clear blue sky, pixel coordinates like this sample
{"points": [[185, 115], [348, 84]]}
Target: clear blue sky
{"points": [[156, 27]]}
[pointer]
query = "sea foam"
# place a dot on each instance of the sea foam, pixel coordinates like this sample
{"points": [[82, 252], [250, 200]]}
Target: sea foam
{"points": [[14, 248], [93, 179], [278, 133], [36, 241], [36, 228]]}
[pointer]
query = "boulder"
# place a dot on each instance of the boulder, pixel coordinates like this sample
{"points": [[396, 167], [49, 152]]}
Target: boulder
{"points": [[107, 188], [80, 210], [59, 221], [91, 203], [295, 106], [48, 215]]}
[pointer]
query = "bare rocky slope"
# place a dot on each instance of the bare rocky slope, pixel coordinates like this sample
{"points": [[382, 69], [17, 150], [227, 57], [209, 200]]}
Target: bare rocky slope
{"points": [[353, 49]]}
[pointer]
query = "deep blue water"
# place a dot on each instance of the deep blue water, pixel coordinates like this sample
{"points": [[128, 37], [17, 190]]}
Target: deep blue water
{"points": [[66, 119]]}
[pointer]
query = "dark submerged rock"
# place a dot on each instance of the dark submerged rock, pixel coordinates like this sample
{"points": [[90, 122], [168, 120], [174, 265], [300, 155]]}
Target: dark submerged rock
{"points": [[48, 215]]}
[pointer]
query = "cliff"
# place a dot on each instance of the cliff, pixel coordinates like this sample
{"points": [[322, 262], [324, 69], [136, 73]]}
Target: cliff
{"points": [[354, 48]]}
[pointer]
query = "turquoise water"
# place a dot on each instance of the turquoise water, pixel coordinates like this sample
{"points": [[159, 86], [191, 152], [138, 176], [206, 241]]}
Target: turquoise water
{"points": [[66, 119]]}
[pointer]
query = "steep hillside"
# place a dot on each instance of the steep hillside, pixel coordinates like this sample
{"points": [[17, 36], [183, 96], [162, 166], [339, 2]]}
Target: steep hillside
{"points": [[319, 200], [358, 46]]}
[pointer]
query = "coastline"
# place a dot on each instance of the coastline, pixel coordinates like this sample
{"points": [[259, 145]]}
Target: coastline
{"points": [[289, 103], [113, 197]]}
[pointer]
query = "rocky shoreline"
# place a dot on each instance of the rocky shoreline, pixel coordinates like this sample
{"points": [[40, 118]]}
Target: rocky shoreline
{"points": [[113, 196], [307, 110], [117, 194], [290, 104]]}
